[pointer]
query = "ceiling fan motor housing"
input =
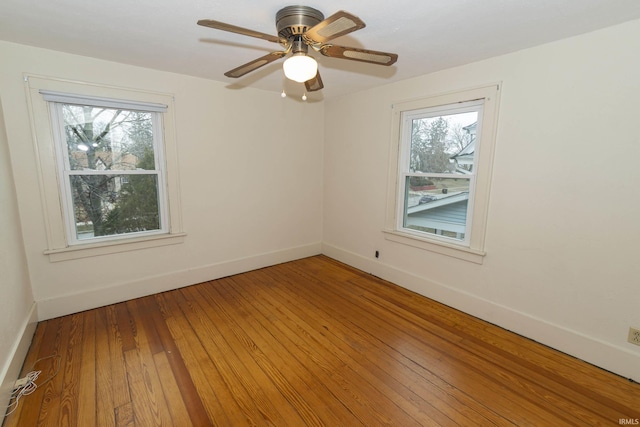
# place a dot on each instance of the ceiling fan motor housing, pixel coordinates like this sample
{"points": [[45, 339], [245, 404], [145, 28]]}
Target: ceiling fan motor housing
{"points": [[294, 21]]}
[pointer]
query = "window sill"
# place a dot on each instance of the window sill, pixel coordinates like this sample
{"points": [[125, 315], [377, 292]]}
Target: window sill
{"points": [[114, 246], [443, 248]]}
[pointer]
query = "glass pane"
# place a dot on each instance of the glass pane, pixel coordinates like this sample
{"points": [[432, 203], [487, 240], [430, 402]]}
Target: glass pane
{"points": [[105, 205], [437, 206], [108, 139], [443, 144]]}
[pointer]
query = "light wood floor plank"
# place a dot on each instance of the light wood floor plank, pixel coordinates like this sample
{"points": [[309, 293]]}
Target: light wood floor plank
{"points": [[144, 403], [124, 416], [397, 400], [119, 385], [507, 350], [146, 378], [175, 405], [424, 357], [50, 408], [69, 390], [239, 374], [186, 391], [306, 343], [280, 370], [87, 392], [545, 391], [105, 414], [361, 350], [326, 368], [219, 404]]}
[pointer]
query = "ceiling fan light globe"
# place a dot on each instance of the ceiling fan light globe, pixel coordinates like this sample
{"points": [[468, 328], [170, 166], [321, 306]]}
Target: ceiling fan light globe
{"points": [[300, 68]]}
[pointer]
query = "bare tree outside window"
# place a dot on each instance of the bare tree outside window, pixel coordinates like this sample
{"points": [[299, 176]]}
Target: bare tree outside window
{"points": [[112, 172]]}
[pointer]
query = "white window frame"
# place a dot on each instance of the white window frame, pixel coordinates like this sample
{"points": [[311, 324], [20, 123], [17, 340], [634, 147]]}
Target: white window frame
{"points": [[43, 95], [471, 248], [65, 172]]}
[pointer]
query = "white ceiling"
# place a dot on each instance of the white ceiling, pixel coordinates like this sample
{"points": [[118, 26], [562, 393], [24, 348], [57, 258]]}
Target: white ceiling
{"points": [[428, 35]]}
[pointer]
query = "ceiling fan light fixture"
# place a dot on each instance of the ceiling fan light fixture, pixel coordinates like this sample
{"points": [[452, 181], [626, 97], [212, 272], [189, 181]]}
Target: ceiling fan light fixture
{"points": [[300, 67]]}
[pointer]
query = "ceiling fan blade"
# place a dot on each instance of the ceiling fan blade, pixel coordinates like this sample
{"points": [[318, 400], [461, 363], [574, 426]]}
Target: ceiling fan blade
{"points": [[338, 24], [238, 30], [314, 84], [255, 64], [355, 54]]}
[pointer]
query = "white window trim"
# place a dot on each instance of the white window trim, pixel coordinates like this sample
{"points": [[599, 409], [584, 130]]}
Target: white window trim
{"points": [[113, 246], [65, 171], [472, 249], [405, 151], [58, 247], [98, 101]]}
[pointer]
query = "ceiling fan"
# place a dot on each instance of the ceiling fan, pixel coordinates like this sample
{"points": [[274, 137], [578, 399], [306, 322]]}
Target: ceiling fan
{"points": [[301, 27]]}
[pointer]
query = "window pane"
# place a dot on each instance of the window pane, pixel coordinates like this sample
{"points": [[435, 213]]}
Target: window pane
{"points": [[108, 139], [105, 205], [443, 144], [437, 205]]}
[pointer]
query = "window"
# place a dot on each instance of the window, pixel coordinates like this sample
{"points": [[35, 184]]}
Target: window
{"points": [[111, 169], [441, 172], [437, 173], [107, 165]]}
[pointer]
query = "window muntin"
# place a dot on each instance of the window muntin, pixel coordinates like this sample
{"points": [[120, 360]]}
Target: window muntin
{"points": [[111, 171], [437, 170]]}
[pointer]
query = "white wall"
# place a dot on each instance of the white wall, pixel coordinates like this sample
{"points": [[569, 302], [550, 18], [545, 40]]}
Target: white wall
{"points": [[17, 309], [563, 227], [251, 193]]}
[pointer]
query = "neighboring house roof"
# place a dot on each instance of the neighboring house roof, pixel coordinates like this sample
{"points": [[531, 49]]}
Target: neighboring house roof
{"points": [[447, 213], [469, 149], [465, 156], [471, 128]]}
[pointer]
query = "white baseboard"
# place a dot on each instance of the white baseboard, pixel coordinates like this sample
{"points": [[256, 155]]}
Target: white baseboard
{"points": [[93, 298], [605, 355], [10, 372]]}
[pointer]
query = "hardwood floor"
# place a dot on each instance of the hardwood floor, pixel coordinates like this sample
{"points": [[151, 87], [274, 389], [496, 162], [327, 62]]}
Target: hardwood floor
{"points": [[310, 342]]}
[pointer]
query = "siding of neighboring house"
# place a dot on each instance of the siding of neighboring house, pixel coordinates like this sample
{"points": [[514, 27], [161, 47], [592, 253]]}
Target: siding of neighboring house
{"points": [[450, 217]]}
